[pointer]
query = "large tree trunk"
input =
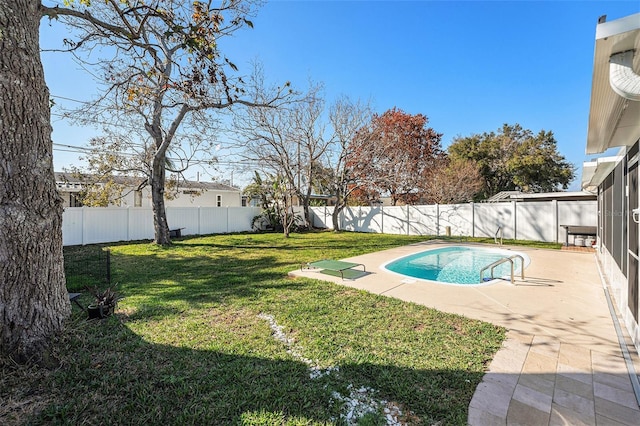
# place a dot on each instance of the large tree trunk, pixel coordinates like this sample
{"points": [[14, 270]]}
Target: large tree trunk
{"points": [[33, 298], [160, 225], [335, 219], [335, 216], [308, 220]]}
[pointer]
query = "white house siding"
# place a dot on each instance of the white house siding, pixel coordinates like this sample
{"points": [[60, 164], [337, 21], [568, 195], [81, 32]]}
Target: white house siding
{"points": [[193, 194], [206, 198], [619, 288], [614, 122]]}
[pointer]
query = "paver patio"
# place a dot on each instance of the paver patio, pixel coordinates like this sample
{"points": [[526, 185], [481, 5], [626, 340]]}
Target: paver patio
{"points": [[561, 363]]}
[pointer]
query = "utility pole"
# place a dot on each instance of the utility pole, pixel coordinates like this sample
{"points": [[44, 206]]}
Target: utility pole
{"points": [[299, 160]]}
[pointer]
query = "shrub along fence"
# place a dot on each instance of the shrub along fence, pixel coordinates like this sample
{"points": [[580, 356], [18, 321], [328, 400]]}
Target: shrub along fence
{"points": [[535, 221], [91, 225]]}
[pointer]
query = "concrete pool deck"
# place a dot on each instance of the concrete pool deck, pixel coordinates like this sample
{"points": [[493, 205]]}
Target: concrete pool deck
{"points": [[561, 363]]}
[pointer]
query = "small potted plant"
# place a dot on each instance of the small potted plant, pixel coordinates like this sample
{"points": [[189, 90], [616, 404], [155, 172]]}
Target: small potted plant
{"points": [[104, 303]]}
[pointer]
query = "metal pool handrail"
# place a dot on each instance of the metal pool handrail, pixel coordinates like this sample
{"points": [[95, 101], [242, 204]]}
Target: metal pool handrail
{"points": [[495, 237], [509, 259]]}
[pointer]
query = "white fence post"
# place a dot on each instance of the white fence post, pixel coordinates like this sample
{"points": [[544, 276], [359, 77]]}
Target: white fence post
{"points": [[128, 223], [515, 220], [84, 221], [556, 225], [473, 220], [408, 220]]}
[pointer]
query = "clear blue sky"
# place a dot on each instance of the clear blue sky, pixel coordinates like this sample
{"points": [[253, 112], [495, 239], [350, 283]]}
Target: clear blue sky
{"points": [[469, 66]]}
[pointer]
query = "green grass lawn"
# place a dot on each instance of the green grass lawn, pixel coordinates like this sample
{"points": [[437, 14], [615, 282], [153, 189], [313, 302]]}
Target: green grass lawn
{"points": [[213, 332]]}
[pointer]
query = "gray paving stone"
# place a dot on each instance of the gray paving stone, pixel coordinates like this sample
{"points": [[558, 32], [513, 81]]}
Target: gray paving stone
{"points": [[533, 398], [617, 412], [526, 415], [564, 416], [574, 402]]}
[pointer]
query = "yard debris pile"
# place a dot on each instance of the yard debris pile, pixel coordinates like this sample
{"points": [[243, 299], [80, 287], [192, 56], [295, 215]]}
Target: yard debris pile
{"points": [[359, 403]]}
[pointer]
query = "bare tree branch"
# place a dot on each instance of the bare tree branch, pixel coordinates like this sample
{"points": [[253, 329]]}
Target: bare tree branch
{"points": [[162, 66]]}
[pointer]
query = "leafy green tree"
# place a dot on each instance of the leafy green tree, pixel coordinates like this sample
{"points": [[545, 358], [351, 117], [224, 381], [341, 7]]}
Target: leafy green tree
{"points": [[275, 197], [538, 167], [514, 158]]}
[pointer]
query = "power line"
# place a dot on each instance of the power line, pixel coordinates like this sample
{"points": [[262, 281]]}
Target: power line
{"points": [[84, 150], [70, 99], [72, 147], [122, 126]]}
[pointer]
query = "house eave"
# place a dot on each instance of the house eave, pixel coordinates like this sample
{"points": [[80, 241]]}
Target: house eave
{"points": [[613, 119], [595, 172]]}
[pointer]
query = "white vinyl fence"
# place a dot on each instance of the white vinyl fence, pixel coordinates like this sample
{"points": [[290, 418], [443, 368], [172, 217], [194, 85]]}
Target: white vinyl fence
{"points": [[90, 225], [535, 221]]}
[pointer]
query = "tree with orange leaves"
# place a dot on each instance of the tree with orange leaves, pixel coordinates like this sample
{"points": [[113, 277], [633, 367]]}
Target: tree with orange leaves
{"points": [[394, 154]]}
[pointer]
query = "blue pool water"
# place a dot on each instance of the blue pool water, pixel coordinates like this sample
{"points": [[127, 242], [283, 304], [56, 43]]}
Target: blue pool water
{"points": [[455, 265]]}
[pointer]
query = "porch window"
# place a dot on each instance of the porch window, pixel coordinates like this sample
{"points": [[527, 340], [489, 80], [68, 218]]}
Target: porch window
{"points": [[74, 201]]}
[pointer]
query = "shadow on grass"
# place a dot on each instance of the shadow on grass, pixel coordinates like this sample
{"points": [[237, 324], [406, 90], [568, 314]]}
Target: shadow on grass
{"points": [[292, 245], [124, 379], [190, 351], [197, 278]]}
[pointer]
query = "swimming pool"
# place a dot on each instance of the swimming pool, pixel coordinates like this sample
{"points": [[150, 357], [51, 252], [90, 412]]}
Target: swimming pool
{"points": [[456, 264]]}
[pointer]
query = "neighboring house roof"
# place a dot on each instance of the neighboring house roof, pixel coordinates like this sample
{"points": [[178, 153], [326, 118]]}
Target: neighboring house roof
{"points": [[560, 196], [211, 186], [69, 182], [501, 196], [542, 196]]}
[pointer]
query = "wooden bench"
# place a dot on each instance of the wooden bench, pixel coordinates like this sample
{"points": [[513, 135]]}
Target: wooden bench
{"points": [[337, 267], [175, 233], [589, 231]]}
